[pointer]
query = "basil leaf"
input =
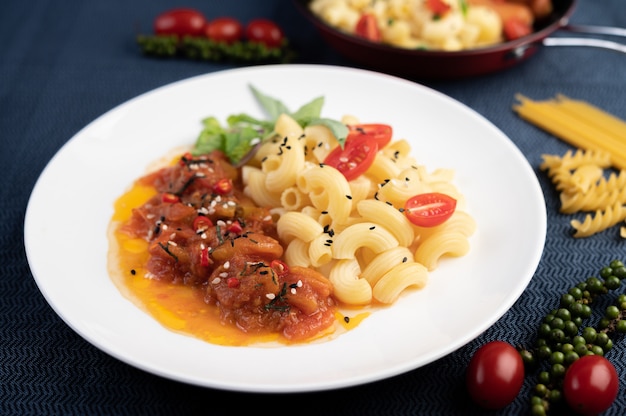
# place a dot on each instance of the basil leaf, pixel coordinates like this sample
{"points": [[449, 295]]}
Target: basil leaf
{"points": [[310, 110], [238, 142], [339, 130], [211, 137], [272, 106]]}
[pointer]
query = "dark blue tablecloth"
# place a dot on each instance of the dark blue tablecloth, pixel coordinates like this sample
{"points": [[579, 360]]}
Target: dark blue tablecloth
{"points": [[64, 63]]}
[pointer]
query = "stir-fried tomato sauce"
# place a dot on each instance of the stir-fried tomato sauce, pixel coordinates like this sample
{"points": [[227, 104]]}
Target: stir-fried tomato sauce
{"points": [[202, 232]]}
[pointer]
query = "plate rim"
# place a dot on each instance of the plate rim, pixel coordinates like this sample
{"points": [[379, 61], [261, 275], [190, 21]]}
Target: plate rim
{"points": [[305, 387]]}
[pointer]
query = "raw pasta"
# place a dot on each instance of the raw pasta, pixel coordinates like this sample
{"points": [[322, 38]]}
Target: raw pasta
{"points": [[354, 231], [584, 187]]}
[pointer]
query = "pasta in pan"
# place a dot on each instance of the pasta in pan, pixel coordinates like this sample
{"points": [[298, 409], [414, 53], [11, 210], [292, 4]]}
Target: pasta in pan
{"points": [[354, 231]]}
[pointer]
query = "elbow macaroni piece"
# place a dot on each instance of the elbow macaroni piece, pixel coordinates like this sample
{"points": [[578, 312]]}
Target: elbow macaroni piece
{"points": [[353, 231]]}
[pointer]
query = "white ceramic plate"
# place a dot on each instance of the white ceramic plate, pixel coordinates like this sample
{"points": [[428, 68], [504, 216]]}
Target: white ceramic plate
{"points": [[66, 243]]}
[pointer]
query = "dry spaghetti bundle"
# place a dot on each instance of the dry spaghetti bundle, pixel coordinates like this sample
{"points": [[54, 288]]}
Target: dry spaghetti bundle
{"points": [[579, 124]]}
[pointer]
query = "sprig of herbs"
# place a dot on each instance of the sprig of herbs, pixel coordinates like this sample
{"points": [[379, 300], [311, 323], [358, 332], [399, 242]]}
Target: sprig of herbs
{"points": [[242, 131]]}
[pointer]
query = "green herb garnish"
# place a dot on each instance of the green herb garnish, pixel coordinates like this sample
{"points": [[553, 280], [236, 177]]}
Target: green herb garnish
{"points": [[243, 131]]}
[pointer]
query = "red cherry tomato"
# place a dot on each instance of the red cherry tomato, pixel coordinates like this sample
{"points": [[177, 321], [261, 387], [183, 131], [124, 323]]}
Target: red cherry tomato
{"points": [[430, 209], [590, 385], [367, 27], [180, 22], [495, 375], [354, 158], [513, 28], [224, 29], [379, 132], [264, 31], [438, 7]]}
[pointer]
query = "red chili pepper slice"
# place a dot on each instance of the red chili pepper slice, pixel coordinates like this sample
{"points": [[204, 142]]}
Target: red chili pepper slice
{"points": [[202, 223], [235, 228], [205, 259], [280, 267], [232, 282], [223, 186], [170, 198]]}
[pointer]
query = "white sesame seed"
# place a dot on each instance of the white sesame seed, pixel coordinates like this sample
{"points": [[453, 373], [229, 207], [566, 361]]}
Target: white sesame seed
{"points": [[202, 246], [172, 236], [270, 296], [164, 226], [150, 216], [293, 290], [221, 223], [216, 280], [227, 265], [224, 274], [171, 243], [299, 283], [267, 218], [232, 203], [203, 236]]}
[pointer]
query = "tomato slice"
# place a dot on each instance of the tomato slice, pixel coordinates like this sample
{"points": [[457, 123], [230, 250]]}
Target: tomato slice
{"points": [[430, 209], [367, 27], [438, 7], [514, 28], [379, 132], [354, 158]]}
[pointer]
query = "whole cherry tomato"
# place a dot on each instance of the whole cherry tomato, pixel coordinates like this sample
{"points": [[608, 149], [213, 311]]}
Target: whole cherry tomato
{"points": [[367, 27], [590, 385], [180, 22], [264, 31], [224, 29], [354, 158], [429, 209], [495, 375]]}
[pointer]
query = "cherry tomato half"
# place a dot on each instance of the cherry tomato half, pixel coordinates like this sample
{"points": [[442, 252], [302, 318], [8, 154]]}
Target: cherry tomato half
{"points": [[379, 132], [367, 27], [264, 31], [513, 28], [224, 29], [354, 158], [438, 7], [180, 22], [590, 385], [495, 375], [430, 209]]}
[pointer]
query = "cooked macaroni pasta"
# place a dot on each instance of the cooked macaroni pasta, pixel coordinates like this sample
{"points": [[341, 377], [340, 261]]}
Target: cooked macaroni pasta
{"points": [[354, 231], [411, 24]]}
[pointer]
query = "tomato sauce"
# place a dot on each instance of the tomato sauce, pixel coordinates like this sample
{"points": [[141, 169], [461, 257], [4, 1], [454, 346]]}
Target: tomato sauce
{"points": [[194, 252]]}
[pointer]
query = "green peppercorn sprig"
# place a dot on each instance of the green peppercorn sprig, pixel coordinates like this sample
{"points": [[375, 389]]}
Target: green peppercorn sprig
{"points": [[205, 49], [562, 339]]}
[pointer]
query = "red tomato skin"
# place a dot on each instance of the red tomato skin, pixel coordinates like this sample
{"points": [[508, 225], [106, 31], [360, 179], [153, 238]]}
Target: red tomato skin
{"points": [[354, 158], [224, 29], [591, 385], [438, 7], [430, 209], [495, 375], [380, 132], [180, 22], [513, 28], [264, 31], [367, 27]]}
